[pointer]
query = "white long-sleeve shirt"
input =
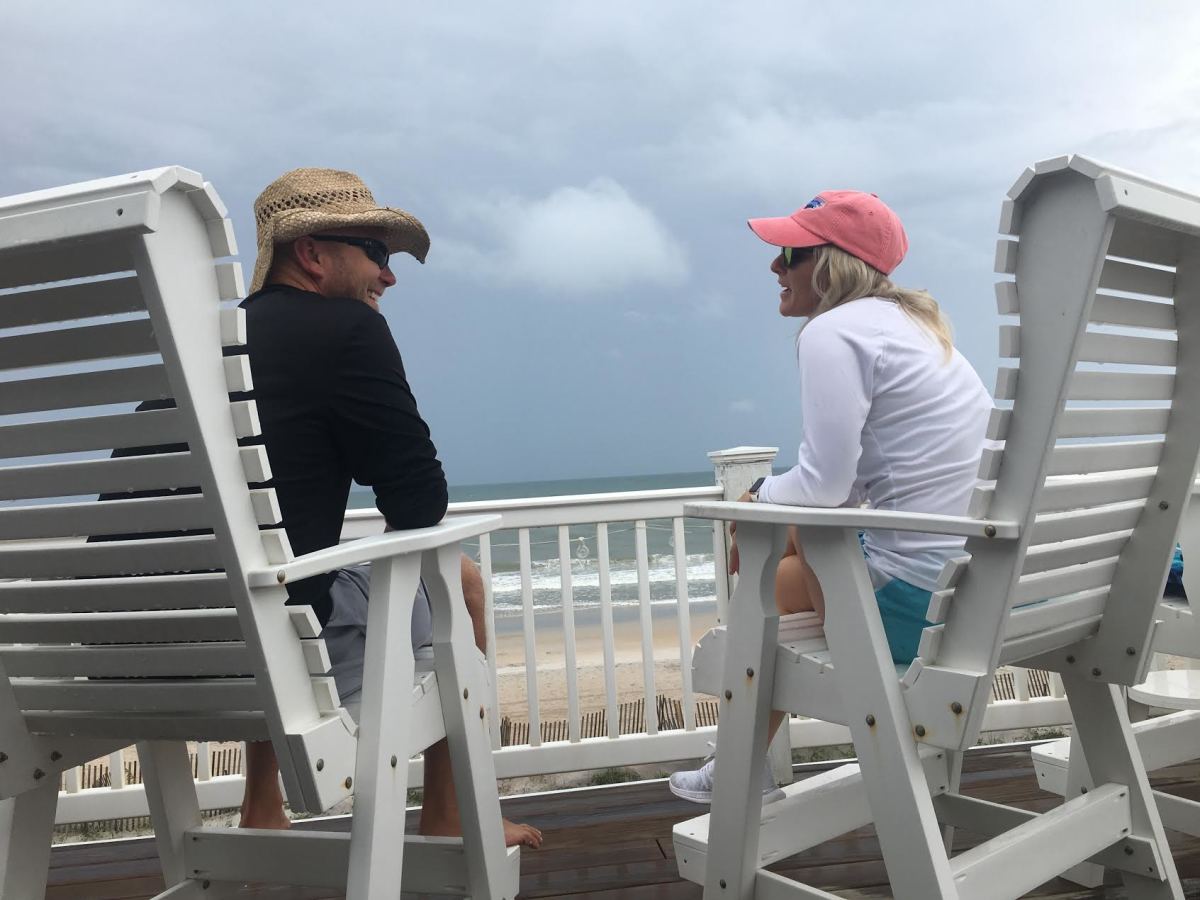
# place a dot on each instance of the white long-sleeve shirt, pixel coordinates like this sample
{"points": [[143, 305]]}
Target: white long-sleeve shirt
{"points": [[888, 421]]}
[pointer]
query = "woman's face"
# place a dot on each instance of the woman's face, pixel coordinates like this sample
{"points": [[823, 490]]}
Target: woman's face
{"points": [[797, 299]]}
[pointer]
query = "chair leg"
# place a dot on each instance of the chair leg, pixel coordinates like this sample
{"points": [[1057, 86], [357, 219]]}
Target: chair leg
{"points": [[954, 761], [747, 686], [381, 766], [1103, 732], [174, 808], [905, 821], [26, 830], [464, 693]]}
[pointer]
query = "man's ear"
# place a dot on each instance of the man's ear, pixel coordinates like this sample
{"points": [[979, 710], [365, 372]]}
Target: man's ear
{"points": [[307, 254]]}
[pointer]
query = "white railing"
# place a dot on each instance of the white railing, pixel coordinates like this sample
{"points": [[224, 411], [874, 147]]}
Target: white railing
{"points": [[562, 523]]}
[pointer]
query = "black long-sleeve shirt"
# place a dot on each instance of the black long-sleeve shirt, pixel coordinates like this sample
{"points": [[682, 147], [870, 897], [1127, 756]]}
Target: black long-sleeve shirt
{"points": [[335, 406]]}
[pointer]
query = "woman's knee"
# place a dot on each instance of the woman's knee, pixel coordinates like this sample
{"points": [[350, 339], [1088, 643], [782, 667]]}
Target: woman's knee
{"points": [[791, 586]]}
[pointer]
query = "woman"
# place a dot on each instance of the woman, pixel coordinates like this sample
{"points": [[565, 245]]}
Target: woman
{"points": [[894, 417]]}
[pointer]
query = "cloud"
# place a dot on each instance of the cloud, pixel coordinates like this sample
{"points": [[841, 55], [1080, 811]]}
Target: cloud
{"points": [[574, 241]]}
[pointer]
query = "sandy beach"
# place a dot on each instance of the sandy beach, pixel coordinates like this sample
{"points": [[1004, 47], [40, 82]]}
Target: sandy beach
{"points": [[550, 649]]}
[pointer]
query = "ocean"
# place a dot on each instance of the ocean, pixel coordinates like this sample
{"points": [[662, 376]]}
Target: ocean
{"points": [[585, 575]]}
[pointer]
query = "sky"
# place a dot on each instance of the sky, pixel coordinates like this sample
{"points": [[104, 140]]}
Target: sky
{"points": [[593, 303]]}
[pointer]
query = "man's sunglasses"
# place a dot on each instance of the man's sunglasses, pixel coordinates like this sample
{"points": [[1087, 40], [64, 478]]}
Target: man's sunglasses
{"points": [[793, 256], [377, 251]]}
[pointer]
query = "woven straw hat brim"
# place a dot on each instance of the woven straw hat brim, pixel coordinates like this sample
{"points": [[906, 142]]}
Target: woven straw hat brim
{"points": [[403, 233]]}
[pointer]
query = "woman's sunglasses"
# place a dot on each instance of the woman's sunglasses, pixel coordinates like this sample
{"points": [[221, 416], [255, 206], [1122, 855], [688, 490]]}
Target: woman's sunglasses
{"points": [[793, 256], [377, 251]]}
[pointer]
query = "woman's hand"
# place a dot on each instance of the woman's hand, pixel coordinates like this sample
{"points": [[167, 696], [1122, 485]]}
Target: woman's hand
{"points": [[734, 558]]}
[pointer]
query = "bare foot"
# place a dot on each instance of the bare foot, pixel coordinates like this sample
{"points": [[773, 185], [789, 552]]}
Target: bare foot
{"points": [[516, 835], [258, 818]]}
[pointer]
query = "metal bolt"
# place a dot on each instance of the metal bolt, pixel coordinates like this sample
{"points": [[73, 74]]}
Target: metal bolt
{"points": [[204, 884], [1129, 851], [989, 530], [1095, 672], [920, 730], [120, 212], [1163, 504], [466, 693], [956, 707], [281, 576], [38, 773], [871, 721], [1129, 651], [55, 756], [729, 695], [393, 761], [481, 712], [1071, 659], [1083, 790], [320, 765], [749, 673], [349, 783], [3, 757], [722, 884]]}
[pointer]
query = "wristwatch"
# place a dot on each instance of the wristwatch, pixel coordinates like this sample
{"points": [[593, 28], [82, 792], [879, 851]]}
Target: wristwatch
{"points": [[754, 489]]}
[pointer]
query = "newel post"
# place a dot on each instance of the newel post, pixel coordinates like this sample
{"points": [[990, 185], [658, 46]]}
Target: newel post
{"points": [[737, 469]]}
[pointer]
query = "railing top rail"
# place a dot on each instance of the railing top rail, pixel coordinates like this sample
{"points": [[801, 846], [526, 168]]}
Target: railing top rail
{"points": [[572, 509]]}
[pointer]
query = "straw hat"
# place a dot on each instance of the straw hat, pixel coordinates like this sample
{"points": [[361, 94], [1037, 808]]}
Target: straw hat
{"points": [[308, 201]]}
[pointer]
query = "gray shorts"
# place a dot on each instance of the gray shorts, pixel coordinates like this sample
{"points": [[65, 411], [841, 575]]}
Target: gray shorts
{"points": [[345, 634]]}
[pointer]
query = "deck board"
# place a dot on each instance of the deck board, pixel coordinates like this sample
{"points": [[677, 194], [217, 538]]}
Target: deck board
{"points": [[615, 842]]}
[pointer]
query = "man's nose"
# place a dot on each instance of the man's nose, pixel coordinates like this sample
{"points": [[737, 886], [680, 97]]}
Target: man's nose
{"points": [[385, 275], [777, 265]]}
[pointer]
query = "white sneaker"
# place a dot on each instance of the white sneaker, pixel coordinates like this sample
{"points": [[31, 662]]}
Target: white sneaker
{"points": [[697, 785]]}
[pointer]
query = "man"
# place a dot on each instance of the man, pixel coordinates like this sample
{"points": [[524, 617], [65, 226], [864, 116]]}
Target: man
{"points": [[335, 406]]}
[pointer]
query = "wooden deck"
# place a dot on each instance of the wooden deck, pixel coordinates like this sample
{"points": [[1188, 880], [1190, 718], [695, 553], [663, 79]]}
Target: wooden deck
{"points": [[615, 842]]}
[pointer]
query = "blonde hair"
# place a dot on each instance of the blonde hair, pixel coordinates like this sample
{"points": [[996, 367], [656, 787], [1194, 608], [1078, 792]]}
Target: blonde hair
{"points": [[839, 277]]}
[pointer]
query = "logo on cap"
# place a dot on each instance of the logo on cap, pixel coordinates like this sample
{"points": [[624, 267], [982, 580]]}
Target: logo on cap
{"points": [[814, 203]]}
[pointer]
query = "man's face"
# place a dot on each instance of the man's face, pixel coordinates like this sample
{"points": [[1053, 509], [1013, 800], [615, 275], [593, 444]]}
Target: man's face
{"points": [[348, 270]]}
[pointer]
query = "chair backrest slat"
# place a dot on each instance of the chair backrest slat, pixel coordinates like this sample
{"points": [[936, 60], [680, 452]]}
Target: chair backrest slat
{"points": [[1079, 459], [66, 303], [134, 384], [165, 471], [87, 260], [139, 515], [82, 343], [161, 660], [121, 431], [193, 591]]}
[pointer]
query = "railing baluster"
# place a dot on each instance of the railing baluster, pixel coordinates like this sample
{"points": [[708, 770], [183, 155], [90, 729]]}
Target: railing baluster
{"points": [[203, 762], [720, 568], [116, 770], [71, 780], [1020, 683], [647, 622], [606, 625], [529, 621], [684, 619], [489, 624], [568, 619]]}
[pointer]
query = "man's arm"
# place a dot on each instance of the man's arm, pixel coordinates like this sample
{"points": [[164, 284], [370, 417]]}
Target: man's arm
{"points": [[380, 432]]}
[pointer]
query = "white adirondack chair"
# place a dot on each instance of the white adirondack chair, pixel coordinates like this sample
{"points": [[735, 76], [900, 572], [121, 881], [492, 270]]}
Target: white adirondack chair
{"points": [[1079, 523], [160, 640]]}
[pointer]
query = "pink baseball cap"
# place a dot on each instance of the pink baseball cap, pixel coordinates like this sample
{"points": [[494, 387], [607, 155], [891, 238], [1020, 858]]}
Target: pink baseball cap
{"points": [[859, 223]]}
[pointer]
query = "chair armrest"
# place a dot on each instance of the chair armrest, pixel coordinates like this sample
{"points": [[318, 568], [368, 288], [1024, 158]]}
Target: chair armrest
{"points": [[851, 517], [381, 546]]}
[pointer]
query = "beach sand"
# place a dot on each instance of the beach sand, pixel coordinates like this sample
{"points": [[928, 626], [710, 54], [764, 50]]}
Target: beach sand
{"points": [[512, 690]]}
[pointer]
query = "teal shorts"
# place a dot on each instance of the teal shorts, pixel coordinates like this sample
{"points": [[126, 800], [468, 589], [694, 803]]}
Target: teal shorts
{"points": [[902, 606]]}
